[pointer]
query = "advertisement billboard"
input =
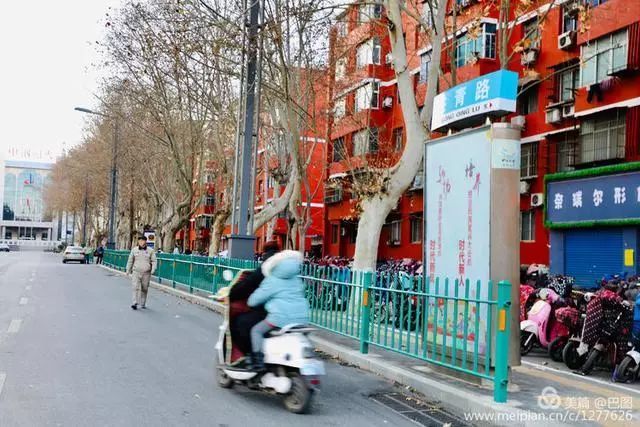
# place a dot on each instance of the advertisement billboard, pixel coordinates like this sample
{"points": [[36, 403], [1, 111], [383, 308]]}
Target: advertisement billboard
{"points": [[458, 234]]}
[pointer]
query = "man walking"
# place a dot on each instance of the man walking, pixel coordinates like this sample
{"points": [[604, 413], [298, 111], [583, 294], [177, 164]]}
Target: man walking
{"points": [[141, 265]]}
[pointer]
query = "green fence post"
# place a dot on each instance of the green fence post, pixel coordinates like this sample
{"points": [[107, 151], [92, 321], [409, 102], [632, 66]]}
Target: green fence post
{"points": [[173, 274], [190, 277], [501, 377], [365, 278]]}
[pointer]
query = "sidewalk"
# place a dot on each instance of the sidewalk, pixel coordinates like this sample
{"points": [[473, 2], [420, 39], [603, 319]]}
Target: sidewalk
{"points": [[538, 394]]}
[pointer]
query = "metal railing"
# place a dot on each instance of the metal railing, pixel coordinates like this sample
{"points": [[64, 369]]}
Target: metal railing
{"points": [[459, 325]]}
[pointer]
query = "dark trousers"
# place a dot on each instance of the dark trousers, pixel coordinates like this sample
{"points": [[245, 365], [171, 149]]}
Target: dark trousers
{"points": [[241, 329]]}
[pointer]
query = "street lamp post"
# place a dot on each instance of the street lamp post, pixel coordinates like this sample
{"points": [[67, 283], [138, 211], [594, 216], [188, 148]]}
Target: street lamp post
{"points": [[114, 175]]}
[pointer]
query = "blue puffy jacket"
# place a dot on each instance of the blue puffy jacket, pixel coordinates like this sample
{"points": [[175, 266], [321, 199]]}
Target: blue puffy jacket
{"points": [[282, 291]]}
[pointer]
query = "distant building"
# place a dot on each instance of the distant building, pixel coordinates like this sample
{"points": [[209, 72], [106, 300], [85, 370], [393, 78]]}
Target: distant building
{"points": [[24, 221]]}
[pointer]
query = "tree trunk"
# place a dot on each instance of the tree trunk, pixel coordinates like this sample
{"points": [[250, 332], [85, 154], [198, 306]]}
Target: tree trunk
{"points": [[131, 214], [375, 209], [217, 230]]}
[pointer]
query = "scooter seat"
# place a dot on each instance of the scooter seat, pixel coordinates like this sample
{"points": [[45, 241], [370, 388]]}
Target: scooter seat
{"points": [[294, 328]]}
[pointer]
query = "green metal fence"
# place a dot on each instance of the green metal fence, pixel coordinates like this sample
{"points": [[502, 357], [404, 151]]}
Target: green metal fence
{"points": [[460, 325]]}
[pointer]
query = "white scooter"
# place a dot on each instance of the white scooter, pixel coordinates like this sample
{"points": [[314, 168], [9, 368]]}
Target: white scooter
{"points": [[292, 368]]}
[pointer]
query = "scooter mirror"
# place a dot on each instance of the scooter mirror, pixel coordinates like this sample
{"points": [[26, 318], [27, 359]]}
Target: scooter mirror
{"points": [[227, 275]]}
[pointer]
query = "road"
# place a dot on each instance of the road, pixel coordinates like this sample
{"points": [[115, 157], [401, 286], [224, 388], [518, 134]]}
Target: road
{"points": [[73, 353]]}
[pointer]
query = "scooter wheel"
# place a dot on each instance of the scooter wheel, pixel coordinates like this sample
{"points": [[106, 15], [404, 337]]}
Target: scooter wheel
{"points": [[224, 380], [556, 348], [570, 355], [298, 400], [625, 372], [527, 339]]}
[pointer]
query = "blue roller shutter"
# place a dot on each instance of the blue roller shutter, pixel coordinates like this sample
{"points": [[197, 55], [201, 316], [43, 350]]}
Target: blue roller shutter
{"points": [[593, 253]]}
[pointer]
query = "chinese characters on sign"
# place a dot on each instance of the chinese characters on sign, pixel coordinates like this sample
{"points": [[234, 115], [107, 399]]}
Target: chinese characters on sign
{"points": [[457, 233], [493, 93], [592, 199]]}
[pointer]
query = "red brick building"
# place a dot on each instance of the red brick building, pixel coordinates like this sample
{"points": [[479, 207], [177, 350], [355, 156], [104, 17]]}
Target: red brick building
{"points": [[578, 103]]}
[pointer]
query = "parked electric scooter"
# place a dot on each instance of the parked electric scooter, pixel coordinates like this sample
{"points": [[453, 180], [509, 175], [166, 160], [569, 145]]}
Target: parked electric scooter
{"points": [[629, 369], [292, 368], [540, 328]]}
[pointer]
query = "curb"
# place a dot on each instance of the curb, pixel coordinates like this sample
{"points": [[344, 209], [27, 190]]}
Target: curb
{"points": [[470, 403]]}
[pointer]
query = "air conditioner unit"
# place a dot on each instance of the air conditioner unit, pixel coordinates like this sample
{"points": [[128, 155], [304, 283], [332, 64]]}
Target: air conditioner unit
{"points": [[388, 58], [387, 102], [568, 110], [553, 116], [529, 57], [524, 187], [519, 121], [567, 40], [537, 199]]}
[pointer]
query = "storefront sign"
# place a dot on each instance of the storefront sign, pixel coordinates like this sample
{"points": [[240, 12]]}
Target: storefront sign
{"points": [[458, 232], [461, 105], [600, 199]]}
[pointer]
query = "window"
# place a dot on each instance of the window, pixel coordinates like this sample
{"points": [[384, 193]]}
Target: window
{"points": [[569, 21], [397, 139], [425, 65], [566, 152], [531, 34], [603, 137], [368, 12], [469, 48], [528, 226], [603, 57], [416, 229], [334, 233], [45, 236], [528, 101], [339, 150], [529, 160], [367, 96], [427, 16], [340, 109], [594, 3], [395, 233], [210, 200], [368, 53], [365, 141], [341, 27], [341, 68], [209, 178], [354, 233], [568, 83]]}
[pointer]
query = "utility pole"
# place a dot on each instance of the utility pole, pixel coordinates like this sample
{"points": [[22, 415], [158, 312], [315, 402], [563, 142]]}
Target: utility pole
{"points": [[241, 243], [86, 209], [111, 241]]}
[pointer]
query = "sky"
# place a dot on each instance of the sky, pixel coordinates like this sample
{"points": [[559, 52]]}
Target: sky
{"points": [[47, 68]]}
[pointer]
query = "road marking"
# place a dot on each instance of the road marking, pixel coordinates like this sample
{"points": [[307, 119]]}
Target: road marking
{"points": [[14, 326], [531, 365], [3, 377], [24, 301]]}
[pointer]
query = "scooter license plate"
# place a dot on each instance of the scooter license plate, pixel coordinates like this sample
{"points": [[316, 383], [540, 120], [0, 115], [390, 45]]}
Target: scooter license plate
{"points": [[312, 369]]}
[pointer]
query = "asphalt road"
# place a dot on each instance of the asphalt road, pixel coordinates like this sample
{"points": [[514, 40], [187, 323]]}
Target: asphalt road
{"points": [[72, 353]]}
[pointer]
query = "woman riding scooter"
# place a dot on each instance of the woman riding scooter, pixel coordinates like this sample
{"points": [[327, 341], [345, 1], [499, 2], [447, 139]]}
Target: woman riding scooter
{"points": [[242, 323], [282, 294]]}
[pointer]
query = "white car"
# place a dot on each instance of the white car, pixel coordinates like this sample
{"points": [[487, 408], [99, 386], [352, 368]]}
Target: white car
{"points": [[73, 253], [4, 247]]}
